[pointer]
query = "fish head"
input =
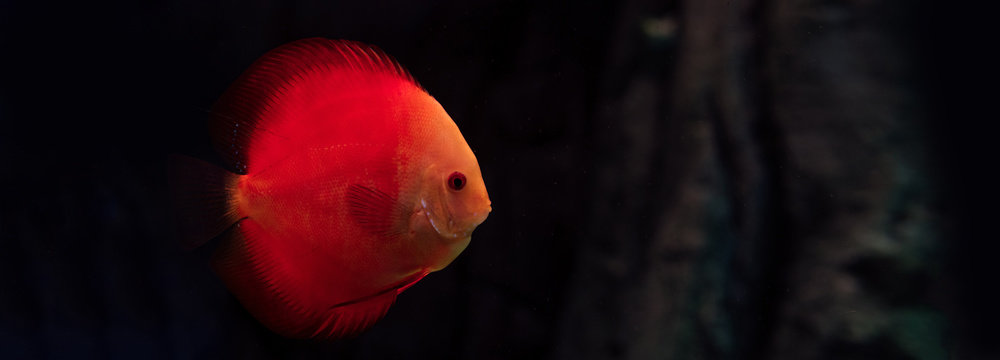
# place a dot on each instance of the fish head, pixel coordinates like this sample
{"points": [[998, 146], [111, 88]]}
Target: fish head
{"points": [[455, 200]]}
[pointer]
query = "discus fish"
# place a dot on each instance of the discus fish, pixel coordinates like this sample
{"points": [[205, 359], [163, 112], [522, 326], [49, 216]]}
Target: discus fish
{"points": [[352, 183]]}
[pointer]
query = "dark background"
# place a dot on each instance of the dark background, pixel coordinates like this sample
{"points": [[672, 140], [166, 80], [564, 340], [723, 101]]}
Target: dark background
{"points": [[767, 179]]}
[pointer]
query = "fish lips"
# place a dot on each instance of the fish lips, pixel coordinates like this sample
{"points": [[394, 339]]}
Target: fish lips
{"points": [[447, 226]]}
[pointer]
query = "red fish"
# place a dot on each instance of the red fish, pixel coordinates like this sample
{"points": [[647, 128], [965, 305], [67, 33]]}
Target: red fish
{"points": [[353, 184]]}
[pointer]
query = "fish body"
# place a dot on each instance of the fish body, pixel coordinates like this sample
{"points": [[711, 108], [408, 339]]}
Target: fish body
{"points": [[355, 184]]}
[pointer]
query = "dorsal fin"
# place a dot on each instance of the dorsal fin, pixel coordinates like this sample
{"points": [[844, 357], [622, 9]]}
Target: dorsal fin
{"points": [[241, 114]]}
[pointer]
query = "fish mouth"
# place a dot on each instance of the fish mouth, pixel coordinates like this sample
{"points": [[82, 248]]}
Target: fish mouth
{"points": [[480, 216], [449, 229]]}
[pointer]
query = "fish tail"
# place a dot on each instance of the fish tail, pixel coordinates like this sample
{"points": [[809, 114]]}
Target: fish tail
{"points": [[201, 194]]}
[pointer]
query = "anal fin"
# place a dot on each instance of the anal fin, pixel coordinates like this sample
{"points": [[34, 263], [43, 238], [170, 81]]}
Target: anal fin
{"points": [[277, 296], [352, 317]]}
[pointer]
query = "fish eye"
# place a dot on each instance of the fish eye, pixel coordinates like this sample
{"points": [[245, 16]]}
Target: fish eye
{"points": [[456, 181]]}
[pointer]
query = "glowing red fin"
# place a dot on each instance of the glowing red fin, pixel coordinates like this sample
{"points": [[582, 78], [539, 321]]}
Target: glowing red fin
{"points": [[260, 276], [200, 195], [375, 211], [273, 87], [261, 283], [411, 281], [353, 318]]}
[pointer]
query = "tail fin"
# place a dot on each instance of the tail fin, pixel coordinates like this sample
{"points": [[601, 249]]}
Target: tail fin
{"points": [[200, 193]]}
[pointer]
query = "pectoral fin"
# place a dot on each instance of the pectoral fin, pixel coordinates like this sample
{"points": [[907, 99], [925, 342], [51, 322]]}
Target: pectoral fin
{"points": [[375, 211]]}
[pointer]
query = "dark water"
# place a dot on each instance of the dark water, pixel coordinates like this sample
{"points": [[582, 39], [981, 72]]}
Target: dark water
{"points": [[678, 179]]}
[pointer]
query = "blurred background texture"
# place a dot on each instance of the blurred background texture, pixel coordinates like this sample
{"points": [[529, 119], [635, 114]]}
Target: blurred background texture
{"points": [[686, 179]]}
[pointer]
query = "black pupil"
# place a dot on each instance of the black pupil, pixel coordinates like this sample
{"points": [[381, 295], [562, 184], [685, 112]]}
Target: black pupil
{"points": [[457, 181]]}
